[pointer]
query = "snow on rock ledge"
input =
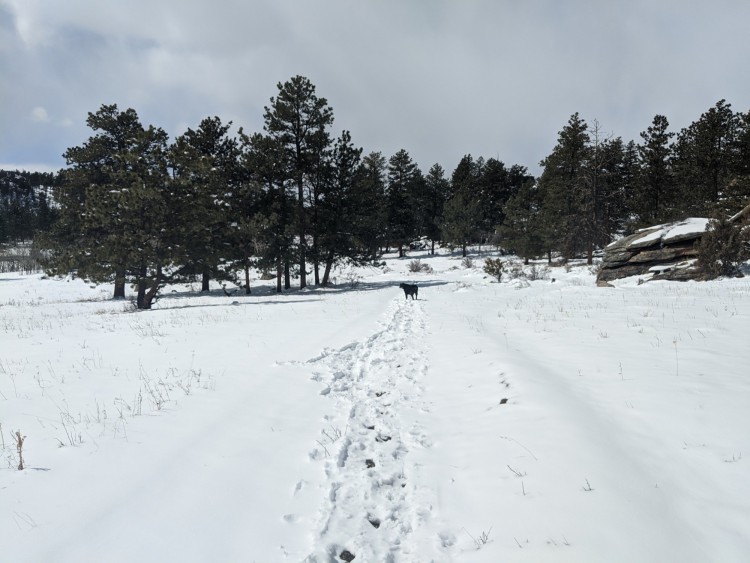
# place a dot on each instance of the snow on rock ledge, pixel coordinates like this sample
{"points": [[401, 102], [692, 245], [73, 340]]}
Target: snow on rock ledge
{"points": [[665, 252]]}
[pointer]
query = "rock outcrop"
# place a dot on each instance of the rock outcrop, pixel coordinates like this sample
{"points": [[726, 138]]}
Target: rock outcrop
{"points": [[663, 252]]}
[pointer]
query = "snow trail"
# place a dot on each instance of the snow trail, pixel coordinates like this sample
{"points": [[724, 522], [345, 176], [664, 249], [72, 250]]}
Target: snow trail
{"points": [[373, 502]]}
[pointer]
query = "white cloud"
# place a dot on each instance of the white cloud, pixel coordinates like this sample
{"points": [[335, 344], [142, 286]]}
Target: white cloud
{"points": [[39, 115]]}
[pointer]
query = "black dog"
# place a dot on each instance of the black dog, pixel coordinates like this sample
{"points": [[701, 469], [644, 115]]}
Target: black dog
{"points": [[410, 289]]}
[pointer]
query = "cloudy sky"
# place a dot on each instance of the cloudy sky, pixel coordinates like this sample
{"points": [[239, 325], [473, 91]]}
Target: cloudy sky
{"points": [[439, 78]]}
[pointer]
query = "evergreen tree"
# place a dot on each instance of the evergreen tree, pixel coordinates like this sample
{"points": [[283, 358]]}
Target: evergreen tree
{"points": [[723, 248], [630, 197], [600, 199], [655, 197], [736, 194], [205, 177], [404, 179], [705, 156], [463, 210], [80, 236], [437, 187], [341, 208], [520, 232], [299, 120], [498, 185], [269, 227], [116, 217], [370, 182], [562, 183], [24, 207]]}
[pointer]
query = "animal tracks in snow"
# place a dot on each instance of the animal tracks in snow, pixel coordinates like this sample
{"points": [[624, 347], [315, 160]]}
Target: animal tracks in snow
{"points": [[372, 505]]}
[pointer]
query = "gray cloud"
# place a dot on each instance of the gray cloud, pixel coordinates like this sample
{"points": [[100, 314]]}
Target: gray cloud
{"points": [[441, 78]]}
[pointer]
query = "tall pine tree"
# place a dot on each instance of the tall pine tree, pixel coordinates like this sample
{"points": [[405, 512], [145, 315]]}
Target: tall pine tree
{"points": [[562, 183], [299, 120], [205, 176], [462, 217], [404, 180], [117, 221], [655, 197], [437, 189]]}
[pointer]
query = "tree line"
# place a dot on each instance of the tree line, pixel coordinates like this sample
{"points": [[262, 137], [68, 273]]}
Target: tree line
{"points": [[135, 209], [25, 206], [594, 186], [292, 200]]}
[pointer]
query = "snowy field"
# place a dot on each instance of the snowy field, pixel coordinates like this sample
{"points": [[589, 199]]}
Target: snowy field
{"points": [[528, 420]]}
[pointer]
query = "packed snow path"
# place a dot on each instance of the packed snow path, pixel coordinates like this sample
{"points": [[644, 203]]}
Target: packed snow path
{"points": [[374, 502]]}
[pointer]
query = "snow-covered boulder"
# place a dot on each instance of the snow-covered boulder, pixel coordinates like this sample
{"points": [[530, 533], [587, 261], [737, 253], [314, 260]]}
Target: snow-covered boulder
{"points": [[662, 252]]}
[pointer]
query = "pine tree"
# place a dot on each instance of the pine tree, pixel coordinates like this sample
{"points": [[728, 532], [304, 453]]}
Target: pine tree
{"points": [[599, 199], [80, 237], [205, 176], [631, 181], [370, 185], [25, 212], [736, 194], [299, 121], [521, 231], [437, 188], [404, 178], [269, 227], [705, 155], [117, 222], [463, 210], [561, 184], [341, 208], [655, 198]]}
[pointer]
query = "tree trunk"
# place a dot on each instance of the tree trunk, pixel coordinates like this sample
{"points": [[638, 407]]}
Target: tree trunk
{"points": [[463, 250], [141, 287], [302, 242], [247, 279], [316, 264], [119, 286], [316, 260], [279, 273], [400, 250], [590, 254], [155, 287], [432, 249], [287, 279], [141, 297], [147, 290], [205, 278], [329, 265], [149, 296]]}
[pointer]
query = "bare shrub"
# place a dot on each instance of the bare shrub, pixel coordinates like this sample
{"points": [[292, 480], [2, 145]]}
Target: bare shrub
{"points": [[514, 270], [562, 262], [19, 447], [353, 278], [538, 272], [481, 540], [467, 262], [417, 266]]}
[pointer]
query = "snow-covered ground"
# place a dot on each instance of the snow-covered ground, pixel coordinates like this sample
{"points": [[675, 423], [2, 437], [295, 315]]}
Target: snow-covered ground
{"points": [[516, 421]]}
